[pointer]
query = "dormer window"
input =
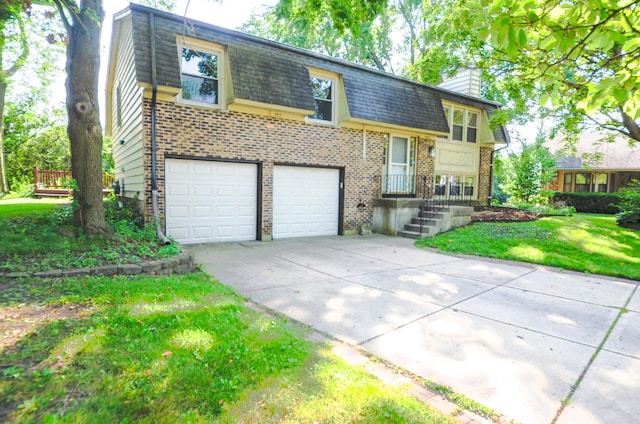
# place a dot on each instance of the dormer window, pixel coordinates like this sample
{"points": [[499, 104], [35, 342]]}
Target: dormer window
{"points": [[200, 73], [463, 124], [324, 89]]}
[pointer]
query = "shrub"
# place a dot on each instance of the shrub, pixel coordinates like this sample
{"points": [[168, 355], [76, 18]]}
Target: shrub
{"points": [[129, 212], [589, 202], [629, 205]]}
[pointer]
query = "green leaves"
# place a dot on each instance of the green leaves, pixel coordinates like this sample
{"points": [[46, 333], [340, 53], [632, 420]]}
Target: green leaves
{"points": [[582, 55]]}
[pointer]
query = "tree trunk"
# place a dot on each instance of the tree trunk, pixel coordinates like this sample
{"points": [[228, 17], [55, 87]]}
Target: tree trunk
{"points": [[84, 129], [4, 187]]}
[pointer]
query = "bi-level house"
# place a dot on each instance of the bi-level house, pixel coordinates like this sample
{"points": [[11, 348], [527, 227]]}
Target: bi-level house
{"points": [[225, 136]]}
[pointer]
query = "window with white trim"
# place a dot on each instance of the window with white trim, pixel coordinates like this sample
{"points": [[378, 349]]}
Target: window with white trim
{"points": [[463, 124], [455, 185], [324, 89], [201, 74]]}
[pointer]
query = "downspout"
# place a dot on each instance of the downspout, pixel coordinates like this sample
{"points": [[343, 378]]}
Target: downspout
{"points": [[364, 145], [154, 94], [491, 169]]}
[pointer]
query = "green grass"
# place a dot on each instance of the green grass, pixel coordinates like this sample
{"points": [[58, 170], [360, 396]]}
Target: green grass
{"points": [[38, 236], [587, 243], [10, 210], [176, 349]]}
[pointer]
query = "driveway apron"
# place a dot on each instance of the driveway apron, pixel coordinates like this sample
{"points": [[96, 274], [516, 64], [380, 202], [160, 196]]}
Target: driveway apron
{"points": [[536, 345]]}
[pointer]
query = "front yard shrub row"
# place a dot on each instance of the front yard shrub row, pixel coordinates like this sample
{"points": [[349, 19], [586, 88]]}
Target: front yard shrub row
{"points": [[602, 203]]}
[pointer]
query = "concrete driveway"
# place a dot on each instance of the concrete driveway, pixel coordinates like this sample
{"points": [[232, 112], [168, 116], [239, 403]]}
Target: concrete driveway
{"points": [[515, 338]]}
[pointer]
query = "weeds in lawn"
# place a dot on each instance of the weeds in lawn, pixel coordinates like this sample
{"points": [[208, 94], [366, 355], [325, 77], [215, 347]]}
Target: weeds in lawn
{"points": [[40, 238]]}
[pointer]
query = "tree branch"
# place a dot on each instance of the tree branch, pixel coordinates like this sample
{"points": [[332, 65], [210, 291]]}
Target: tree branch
{"points": [[72, 8], [24, 46], [631, 125], [63, 17]]}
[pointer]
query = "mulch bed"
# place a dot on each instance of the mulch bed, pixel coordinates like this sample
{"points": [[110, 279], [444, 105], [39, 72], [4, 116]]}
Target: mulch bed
{"points": [[502, 214]]}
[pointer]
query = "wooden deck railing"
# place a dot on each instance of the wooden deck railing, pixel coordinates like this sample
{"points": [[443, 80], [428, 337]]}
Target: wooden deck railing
{"points": [[58, 183]]}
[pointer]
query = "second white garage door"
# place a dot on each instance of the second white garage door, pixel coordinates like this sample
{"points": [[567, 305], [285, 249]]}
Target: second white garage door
{"points": [[306, 201], [211, 201]]}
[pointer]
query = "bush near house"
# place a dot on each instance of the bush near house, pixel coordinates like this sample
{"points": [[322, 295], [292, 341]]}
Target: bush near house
{"points": [[629, 215], [601, 203]]}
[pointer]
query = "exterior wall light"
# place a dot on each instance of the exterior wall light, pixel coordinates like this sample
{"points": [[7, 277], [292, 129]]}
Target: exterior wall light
{"points": [[121, 142], [432, 151]]}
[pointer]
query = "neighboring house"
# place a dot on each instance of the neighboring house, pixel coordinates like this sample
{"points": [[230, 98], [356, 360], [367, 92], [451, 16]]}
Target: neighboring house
{"points": [[595, 165], [235, 137]]}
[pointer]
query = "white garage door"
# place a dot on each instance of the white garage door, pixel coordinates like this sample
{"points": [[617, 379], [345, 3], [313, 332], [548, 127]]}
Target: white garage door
{"points": [[305, 201], [210, 201]]}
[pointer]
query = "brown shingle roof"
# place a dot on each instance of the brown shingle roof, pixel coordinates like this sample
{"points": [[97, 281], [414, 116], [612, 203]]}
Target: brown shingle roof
{"points": [[593, 151]]}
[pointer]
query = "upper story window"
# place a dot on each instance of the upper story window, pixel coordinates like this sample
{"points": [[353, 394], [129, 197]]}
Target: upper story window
{"points": [[463, 124], [201, 74], [324, 89]]}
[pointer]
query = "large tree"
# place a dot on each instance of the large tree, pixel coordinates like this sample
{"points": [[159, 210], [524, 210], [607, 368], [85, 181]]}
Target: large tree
{"points": [[83, 23], [10, 15]]}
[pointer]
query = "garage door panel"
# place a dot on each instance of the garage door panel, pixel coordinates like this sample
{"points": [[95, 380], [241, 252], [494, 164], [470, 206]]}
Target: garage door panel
{"points": [[210, 201], [202, 212], [225, 211], [306, 201], [202, 190]]}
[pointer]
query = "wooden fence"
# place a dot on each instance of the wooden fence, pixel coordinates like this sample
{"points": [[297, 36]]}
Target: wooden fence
{"points": [[58, 183]]}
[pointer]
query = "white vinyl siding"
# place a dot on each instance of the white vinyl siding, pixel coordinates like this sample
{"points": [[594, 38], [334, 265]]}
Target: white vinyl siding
{"points": [[127, 133]]}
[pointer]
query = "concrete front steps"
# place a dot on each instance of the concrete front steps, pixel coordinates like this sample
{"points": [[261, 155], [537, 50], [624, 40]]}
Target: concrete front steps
{"points": [[434, 222]]}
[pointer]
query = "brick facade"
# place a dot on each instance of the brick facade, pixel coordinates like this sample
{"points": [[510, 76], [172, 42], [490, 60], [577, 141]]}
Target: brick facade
{"points": [[201, 133], [484, 183]]}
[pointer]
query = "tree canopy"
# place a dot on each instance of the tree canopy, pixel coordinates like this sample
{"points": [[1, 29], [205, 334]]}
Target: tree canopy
{"points": [[582, 57], [576, 62], [10, 13], [366, 41]]}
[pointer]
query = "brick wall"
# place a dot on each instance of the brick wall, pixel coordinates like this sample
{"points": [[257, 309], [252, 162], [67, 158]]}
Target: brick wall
{"points": [[426, 164], [484, 183], [204, 133]]}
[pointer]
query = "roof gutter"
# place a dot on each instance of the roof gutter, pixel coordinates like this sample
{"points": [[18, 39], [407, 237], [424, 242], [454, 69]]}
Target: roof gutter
{"points": [[154, 147]]}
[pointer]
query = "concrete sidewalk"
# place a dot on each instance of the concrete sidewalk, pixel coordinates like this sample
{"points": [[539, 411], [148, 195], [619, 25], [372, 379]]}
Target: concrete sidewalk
{"points": [[515, 338]]}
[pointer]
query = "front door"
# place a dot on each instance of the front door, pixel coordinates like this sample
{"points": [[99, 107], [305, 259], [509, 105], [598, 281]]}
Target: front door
{"points": [[400, 178]]}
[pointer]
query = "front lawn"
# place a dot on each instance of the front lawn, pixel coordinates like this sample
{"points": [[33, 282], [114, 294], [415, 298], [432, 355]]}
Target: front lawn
{"points": [[171, 350], [38, 236], [159, 349], [587, 243]]}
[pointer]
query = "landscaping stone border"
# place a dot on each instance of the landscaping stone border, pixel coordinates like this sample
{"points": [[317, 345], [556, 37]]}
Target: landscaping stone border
{"points": [[181, 264]]}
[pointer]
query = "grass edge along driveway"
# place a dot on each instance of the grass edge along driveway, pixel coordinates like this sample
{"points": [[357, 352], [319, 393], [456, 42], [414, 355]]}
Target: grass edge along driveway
{"points": [[175, 349], [582, 242]]}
